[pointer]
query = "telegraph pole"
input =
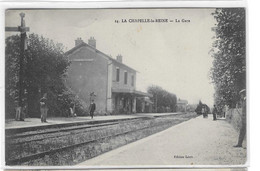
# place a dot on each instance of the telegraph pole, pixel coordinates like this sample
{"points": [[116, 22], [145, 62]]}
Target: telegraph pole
{"points": [[22, 29]]}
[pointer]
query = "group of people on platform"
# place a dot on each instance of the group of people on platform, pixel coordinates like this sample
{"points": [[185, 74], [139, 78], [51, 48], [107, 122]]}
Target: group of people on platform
{"points": [[44, 107], [205, 111]]}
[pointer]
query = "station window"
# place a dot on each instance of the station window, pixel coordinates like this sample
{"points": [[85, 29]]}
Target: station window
{"points": [[117, 74], [125, 77], [133, 80]]}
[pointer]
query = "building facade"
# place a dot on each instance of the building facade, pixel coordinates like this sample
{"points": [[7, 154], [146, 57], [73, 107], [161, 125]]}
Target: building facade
{"points": [[111, 81], [182, 105]]}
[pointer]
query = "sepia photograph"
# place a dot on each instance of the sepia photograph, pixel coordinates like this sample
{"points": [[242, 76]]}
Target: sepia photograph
{"points": [[126, 87]]}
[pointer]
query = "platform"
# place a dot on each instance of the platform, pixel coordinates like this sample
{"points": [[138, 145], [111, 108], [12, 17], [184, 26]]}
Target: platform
{"points": [[12, 125], [198, 141]]}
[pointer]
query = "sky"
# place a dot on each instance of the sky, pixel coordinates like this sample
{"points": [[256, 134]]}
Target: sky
{"points": [[173, 55]]}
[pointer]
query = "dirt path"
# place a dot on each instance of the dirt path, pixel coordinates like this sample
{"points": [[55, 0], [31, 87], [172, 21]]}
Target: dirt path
{"points": [[195, 142]]}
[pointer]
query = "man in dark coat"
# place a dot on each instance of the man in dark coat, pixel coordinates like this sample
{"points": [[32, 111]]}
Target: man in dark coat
{"points": [[92, 108], [214, 112]]}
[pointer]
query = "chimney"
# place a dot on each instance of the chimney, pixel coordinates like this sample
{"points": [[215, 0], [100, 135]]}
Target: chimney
{"points": [[92, 42], [78, 41], [119, 58]]}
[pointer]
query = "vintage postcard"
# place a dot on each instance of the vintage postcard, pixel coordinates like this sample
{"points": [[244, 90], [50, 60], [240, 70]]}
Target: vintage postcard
{"points": [[155, 87], [200, 169]]}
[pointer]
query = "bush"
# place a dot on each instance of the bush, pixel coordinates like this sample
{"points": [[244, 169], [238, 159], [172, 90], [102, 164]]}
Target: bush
{"points": [[68, 97]]}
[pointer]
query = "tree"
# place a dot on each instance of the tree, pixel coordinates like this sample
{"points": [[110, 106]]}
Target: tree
{"points": [[12, 51], [229, 52], [44, 71], [163, 100]]}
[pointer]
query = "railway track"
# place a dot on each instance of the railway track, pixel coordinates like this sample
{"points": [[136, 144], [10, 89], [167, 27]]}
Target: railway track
{"points": [[42, 154], [20, 140], [80, 137], [62, 132]]}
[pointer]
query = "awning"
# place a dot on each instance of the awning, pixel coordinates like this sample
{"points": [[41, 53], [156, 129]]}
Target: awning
{"points": [[143, 94], [133, 92], [148, 101]]}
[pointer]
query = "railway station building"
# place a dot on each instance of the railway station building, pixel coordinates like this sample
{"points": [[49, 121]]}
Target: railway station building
{"points": [[93, 74]]}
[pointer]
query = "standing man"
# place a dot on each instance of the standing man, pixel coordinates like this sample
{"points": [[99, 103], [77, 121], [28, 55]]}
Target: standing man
{"points": [[18, 111], [92, 108], [72, 109], [203, 111], [43, 108], [225, 110], [214, 112], [242, 132]]}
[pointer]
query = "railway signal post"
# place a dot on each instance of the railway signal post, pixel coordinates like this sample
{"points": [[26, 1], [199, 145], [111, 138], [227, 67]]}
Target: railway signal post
{"points": [[22, 29]]}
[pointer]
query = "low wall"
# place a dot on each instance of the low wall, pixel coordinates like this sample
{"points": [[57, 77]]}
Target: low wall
{"points": [[233, 116]]}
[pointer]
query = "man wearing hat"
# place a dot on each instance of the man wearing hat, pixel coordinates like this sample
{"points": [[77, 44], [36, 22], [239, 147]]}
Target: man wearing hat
{"points": [[92, 108], [243, 118], [43, 108]]}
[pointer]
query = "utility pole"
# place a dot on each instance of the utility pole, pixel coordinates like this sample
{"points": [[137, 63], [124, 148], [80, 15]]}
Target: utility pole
{"points": [[22, 29], [156, 102]]}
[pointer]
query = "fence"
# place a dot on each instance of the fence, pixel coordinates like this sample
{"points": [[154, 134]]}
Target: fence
{"points": [[233, 116]]}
